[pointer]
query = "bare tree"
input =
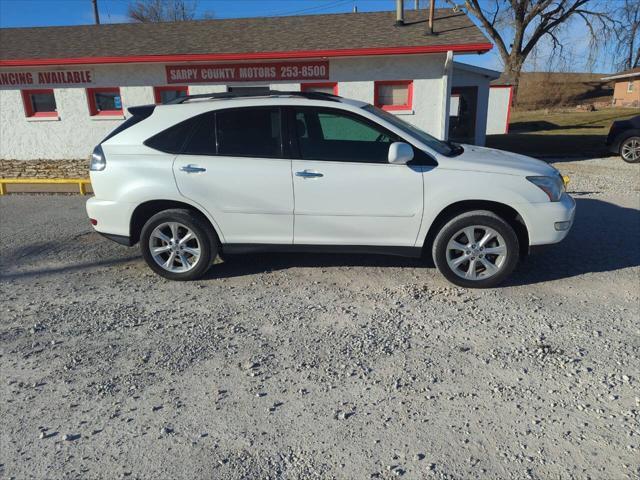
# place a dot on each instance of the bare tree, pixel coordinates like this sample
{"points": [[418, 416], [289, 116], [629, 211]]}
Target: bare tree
{"points": [[163, 10], [517, 26], [627, 35]]}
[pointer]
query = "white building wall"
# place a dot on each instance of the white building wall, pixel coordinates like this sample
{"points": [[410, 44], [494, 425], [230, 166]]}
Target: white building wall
{"points": [[499, 106], [75, 132]]}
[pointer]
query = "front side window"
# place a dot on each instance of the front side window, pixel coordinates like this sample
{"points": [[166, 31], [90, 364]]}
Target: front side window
{"points": [[249, 132], [168, 94], [39, 103], [332, 135], [394, 95], [104, 101], [444, 148]]}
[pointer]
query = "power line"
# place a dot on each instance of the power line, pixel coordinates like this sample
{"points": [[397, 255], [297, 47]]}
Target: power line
{"points": [[317, 7]]}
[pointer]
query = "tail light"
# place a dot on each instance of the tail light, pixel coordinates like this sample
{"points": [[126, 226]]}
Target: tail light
{"points": [[98, 160]]}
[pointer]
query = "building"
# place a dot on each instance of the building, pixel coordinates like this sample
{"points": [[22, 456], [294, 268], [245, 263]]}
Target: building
{"points": [[480, 104], [626, 90], [62, 89]]}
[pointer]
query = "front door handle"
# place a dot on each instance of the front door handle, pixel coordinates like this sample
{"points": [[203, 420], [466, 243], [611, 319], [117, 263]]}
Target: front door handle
{"points": [[192, 168], [309, 174]]}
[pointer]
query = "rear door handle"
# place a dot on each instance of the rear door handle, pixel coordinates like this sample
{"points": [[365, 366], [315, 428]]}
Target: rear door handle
{"points": [[309, 174], [192, 168]]}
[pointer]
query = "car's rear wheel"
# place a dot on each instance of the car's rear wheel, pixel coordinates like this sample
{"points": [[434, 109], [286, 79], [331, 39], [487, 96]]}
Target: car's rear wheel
{"points": [[178, 244], [476, 249], [630, 150]]}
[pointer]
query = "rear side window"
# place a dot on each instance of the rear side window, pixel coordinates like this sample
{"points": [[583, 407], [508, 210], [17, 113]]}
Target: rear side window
{"points": [[203, 139], [244, 132], [173, 138], [249, 132], [129, 122]]}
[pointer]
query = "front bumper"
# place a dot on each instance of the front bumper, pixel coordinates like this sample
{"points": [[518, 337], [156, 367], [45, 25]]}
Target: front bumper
{"points": [[549, 222]]}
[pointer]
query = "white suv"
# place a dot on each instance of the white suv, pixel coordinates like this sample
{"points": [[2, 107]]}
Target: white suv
{"points": [[301, 171]]}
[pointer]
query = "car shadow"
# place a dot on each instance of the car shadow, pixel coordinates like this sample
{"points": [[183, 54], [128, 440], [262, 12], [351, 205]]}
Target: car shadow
{"points": [[256, 263], [39, 272], [604, 238]]}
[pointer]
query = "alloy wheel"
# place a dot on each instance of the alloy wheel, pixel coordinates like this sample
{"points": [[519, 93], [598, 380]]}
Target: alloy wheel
{"points": [[476, 252], [174, 247], [631, 150]]}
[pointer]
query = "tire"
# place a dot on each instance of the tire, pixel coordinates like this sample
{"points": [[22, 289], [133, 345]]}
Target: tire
{"points": [[453, 254], [630, 149], [160, 233]]}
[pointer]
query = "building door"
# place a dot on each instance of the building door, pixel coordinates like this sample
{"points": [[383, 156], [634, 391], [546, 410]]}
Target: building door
{"points": [[346, 192], [462, 114]]}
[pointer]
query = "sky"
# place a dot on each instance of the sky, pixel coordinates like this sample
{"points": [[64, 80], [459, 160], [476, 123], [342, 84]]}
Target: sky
{"points": [[37, 13]]}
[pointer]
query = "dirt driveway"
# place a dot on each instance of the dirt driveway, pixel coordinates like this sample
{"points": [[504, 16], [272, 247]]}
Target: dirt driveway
{"points": [[321, 366]]}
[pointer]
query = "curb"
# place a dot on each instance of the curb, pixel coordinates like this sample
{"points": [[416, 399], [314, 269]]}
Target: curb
{"points": [[44, 185]]}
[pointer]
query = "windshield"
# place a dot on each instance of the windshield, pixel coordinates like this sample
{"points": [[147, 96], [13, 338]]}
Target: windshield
{"points": [[444, 148]]}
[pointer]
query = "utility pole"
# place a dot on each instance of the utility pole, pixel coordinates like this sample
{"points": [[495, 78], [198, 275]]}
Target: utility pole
{"points": [[417, 4], [432, 7], [96, 14], [399, 13]]}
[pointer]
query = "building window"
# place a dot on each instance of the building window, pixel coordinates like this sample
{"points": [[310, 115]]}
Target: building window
{"points": [[394, 95], [327, 87], [167, 94], [39, 103], [104, 101], [630, 86]]}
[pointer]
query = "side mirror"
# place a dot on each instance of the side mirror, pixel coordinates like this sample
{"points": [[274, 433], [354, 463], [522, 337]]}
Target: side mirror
{"points": [[400, 153]]}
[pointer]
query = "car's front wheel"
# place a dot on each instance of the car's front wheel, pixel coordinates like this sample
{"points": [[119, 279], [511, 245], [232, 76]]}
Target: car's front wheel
{"points": [[178, 244], [630, 150], [476, 249]]}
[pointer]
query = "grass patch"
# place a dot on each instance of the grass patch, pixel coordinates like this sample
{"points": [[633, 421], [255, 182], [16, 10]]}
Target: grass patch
{"points": [[560, 133], [554, 89]]}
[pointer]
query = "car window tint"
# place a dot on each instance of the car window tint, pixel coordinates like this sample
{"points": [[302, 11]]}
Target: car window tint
{"points": [[203, 140], [334, 136], [337, 127], [249, 132], [172, 139]]}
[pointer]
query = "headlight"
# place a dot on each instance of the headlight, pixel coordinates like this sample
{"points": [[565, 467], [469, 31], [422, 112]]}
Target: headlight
{"points": [[552, 186], [98, 160]]}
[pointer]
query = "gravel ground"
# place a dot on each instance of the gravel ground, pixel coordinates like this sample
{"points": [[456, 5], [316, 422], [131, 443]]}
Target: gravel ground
{"points": [[321, 366]]}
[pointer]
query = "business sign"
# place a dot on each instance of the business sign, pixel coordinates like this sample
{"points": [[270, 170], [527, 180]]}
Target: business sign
{"points": [[247, 72], [30, 78]]}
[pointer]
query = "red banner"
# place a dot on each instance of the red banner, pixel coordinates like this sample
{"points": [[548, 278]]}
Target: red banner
{"points": [[247, 72]]}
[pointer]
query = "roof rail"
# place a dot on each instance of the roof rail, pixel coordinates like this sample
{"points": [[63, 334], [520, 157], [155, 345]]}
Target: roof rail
{"points": [[266, 93]]}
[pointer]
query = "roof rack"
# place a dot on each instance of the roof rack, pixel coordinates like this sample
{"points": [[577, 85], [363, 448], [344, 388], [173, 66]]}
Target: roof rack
{"points": [[265, 93]]}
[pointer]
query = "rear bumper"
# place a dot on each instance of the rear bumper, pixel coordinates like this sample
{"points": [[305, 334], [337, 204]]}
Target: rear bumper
{"points": [[121, 239], [549, 222], [111, 218]]}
